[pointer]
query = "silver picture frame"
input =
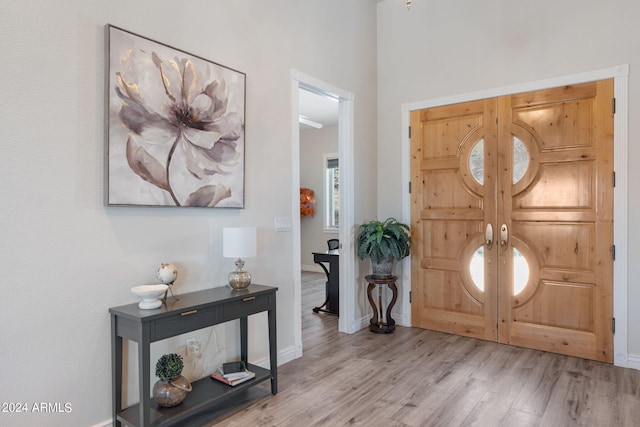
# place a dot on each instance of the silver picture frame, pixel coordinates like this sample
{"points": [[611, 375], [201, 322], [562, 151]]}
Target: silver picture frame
{"points": [[175, 126]]}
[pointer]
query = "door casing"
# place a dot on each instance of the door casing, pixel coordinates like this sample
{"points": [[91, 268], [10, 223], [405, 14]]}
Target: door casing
{"points": [[347, 322], [620, 75]]}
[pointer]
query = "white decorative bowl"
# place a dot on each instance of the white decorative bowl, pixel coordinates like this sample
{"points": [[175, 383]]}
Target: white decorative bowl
{"points": [[150, 295]]}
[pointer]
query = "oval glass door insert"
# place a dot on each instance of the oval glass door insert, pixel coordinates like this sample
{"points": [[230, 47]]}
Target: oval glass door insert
{"points": [[520, 159], [476, 161], [520, 272], [476, 268]]}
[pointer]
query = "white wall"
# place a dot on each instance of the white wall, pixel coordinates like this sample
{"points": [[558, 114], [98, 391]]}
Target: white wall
{"points": [[314, 143], [441, 48], [66, 258]]}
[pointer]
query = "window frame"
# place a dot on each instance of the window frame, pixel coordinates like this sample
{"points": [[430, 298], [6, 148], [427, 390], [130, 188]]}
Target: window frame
{"points": [[328, 195]]}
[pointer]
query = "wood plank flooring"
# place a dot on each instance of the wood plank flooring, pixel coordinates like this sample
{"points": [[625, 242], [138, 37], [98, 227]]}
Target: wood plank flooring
{"points": [[416, 377]]}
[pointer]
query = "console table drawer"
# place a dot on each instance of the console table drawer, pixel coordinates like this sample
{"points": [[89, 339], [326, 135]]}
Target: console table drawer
{"points": [[186, 321], [245, 307]]}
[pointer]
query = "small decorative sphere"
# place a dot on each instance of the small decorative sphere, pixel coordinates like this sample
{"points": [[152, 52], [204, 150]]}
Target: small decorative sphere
{"points": [[167, 273]]}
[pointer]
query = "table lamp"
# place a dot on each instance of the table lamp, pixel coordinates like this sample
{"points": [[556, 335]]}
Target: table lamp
{"points": [[239, 242]]}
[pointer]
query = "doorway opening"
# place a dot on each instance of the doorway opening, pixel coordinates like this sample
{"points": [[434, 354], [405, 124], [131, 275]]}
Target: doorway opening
{"points": [[345, 101], [528, 199], [620, 223]]}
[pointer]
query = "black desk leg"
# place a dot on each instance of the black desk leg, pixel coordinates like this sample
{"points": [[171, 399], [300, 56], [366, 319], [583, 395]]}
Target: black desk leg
{"points": [[326, 292], [331, 302]]}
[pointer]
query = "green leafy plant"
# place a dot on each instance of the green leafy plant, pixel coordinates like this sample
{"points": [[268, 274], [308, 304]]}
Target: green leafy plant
{"points": [[169, 366], [381, 240]]}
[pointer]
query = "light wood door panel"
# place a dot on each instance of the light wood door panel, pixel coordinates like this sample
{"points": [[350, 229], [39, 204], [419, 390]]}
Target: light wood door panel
{"points": [[563, 216], [556, 214], [449, 217]]}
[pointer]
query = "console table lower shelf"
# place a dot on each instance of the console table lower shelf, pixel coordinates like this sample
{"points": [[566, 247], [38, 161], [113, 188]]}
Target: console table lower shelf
{"points": [[206, 393]]}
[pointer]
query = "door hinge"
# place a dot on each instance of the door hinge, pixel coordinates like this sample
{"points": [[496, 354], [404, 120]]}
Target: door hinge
{"points": [[409, 187], [613, 178], [409, 132], [613, 105], [613, 252], [409, 297], [613, 325]]}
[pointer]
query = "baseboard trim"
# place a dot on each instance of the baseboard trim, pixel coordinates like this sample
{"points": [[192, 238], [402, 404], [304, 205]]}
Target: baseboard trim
{"points": [[284, 356], [359, 324], [315, 268], [363, 322], [402, 319], [633, 361]]}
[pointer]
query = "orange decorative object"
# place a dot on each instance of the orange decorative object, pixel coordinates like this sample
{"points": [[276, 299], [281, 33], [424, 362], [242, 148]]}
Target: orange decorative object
{"points": [[306, 202]]}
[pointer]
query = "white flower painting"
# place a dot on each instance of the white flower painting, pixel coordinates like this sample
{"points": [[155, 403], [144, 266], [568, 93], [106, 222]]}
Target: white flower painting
{"points": [[175, 127]]}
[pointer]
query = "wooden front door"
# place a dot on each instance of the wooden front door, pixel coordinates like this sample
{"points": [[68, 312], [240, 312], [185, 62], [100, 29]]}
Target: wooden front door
{"points": [[512, 219]]}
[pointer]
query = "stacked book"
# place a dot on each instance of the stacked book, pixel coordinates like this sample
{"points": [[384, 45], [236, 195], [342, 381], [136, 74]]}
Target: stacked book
{"points": [[233, 373]]}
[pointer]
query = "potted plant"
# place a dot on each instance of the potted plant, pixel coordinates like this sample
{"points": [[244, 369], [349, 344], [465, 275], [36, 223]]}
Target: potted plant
{"points": [[171, 389], [383, 242]]}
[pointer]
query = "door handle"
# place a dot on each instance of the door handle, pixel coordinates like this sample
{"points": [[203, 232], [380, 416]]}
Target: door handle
{"points": [[488, 236], [504, 236]]}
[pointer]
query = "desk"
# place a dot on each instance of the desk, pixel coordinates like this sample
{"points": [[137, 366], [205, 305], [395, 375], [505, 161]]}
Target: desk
{"points": [[332, 301], [191, 311]]}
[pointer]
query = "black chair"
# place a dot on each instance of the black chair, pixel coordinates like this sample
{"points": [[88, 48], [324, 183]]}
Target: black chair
{"points": [[333, 244]]}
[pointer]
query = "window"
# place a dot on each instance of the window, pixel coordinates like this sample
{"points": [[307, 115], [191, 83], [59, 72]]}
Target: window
{"points": [[331, 191]]}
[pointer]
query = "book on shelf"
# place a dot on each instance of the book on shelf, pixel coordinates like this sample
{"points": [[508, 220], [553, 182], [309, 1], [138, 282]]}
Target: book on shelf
{"points": [[238, 379], [235, 375], [233, 367]]}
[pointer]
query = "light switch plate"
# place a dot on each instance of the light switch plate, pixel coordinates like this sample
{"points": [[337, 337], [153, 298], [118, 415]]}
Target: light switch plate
{"points": [[283, 224]]}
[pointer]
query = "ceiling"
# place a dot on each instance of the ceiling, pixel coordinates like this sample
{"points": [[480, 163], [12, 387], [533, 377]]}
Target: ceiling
{"points": [[317, 108]]}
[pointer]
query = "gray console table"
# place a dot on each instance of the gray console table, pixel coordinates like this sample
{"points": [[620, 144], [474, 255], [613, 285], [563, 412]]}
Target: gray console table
{"points": [[187, 313]]}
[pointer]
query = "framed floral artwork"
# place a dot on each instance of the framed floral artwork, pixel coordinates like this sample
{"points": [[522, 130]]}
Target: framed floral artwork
{"points": [[175, 127]]}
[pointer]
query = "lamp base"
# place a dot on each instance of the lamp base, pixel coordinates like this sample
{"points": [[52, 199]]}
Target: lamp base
{"points": [[239, 279]]}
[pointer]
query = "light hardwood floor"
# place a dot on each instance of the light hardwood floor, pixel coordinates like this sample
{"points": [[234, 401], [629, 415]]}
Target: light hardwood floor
{"points": [[416, 377]]}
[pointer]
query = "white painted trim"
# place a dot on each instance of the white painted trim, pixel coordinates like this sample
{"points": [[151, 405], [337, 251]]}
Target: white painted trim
{"points": [[589, 76], [296, 261], [284, 356], [620, 217], [620, 74], [327, 204], [347, 190], [331, 230], [347, 226], [402, 319], [313, 268], [406, 213], [634, 361], [360, 323]]}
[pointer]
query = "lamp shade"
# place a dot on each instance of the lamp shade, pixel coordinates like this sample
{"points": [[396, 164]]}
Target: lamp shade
{"points": [[239, 242]]}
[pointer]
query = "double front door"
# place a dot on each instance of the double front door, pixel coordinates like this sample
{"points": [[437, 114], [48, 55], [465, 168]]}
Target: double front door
{"points": [[512, 219]]}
